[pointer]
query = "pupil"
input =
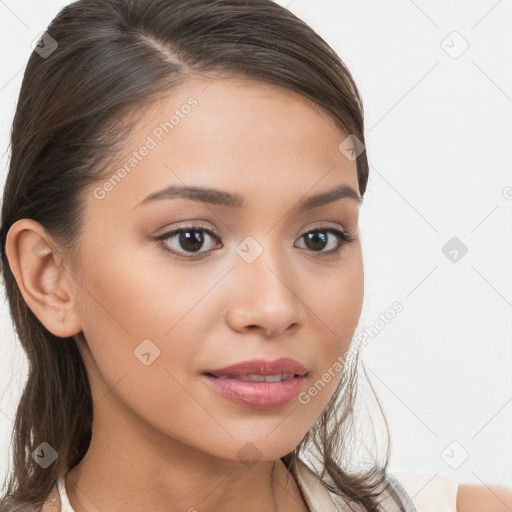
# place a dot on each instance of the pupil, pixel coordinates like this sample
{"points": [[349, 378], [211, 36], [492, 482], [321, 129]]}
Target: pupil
{"points": [[191, 242], [317, 238]]}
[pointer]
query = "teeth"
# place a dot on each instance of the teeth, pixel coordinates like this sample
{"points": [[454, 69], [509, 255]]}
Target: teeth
{"points": [[256, 378], [260, 378]]}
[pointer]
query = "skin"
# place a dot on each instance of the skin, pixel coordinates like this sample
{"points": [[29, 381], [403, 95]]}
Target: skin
{"points": [[161, 436], [475, 498]]}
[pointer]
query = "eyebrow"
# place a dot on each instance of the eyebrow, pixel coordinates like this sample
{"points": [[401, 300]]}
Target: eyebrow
{"points": [[234, 200]]}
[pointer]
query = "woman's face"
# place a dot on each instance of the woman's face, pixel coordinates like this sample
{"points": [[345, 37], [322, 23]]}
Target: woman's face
{"points": [[158, 314]]}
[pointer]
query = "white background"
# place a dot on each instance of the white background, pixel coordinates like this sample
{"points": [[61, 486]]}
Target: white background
{"points": [[439, 137]]}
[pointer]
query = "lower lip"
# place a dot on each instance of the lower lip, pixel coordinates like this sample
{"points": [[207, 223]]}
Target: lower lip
{"points": [[258, 395]]}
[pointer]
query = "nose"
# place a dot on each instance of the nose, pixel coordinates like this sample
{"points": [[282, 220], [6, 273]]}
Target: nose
{"points": [[266, 296]]}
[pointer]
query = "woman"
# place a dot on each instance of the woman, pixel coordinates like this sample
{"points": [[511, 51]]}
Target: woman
{"points": [[182, 262]]}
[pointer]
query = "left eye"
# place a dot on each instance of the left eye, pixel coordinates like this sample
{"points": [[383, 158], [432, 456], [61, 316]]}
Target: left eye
{"points": [[192, 239]]}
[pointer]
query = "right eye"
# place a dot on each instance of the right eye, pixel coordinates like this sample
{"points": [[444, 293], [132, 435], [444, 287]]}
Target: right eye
{"points": [[188, 239]]}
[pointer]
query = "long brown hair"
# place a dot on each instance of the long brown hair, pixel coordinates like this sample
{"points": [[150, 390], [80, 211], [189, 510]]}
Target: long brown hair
{"points": [[101, 62]]}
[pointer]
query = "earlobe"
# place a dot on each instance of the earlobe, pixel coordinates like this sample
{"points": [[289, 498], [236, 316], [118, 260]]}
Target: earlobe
{"points": [[43, 281]]}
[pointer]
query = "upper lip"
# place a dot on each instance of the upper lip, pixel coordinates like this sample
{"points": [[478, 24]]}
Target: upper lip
{"points": [[261, 367]]}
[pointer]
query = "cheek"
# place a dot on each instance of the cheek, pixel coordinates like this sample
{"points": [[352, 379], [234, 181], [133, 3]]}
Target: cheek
{"points": [[141, 343], [335, 309], [142, 308], [335, 300], [137, 293], [347, 293]]}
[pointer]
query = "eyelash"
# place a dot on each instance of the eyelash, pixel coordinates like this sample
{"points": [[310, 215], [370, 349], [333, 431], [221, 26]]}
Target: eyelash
{"points": [[344, 238]]}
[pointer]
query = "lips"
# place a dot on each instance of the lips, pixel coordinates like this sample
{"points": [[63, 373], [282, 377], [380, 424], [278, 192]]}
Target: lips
{"points": [[259, 370], [259, 384]]}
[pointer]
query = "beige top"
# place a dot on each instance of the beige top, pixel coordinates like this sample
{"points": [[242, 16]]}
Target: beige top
{"points": [[430, 492], [405, 492]]}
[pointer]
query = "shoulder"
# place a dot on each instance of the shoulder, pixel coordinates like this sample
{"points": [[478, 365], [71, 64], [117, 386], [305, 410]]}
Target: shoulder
{"points": [[483, 498], [438, 492]]}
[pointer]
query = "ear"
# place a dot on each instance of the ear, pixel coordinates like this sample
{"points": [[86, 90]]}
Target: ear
{"points": [[45, 284]]}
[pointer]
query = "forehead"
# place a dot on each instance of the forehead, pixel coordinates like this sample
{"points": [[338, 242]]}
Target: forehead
{"points": [[255, 138]]}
